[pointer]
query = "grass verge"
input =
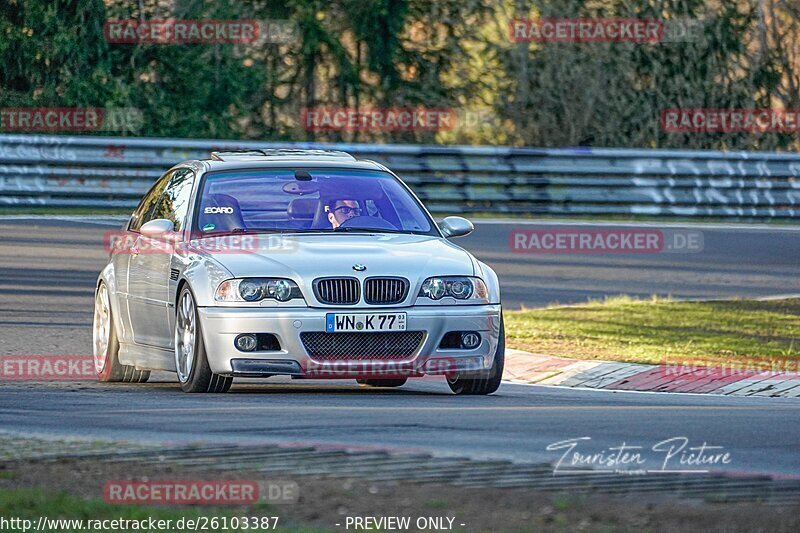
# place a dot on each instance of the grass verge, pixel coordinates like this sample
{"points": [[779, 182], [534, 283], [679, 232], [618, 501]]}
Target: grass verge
{"points": [[636, 331]]}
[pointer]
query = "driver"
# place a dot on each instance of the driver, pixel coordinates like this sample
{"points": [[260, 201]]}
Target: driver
{"points": [[340, 211]]}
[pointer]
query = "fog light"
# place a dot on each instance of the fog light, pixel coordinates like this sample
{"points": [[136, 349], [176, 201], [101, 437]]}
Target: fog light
{"points": [[470, 340], [246, 343]]}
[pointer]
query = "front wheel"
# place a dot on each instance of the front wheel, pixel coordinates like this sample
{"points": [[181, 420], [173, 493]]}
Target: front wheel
{"points": [[191, 361], [483, 384]]}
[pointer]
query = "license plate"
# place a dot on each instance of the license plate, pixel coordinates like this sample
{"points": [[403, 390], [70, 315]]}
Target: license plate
{"points": [[340, 322]]}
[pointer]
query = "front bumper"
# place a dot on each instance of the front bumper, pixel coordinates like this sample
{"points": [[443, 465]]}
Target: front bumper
{"points": [[221, 325]]}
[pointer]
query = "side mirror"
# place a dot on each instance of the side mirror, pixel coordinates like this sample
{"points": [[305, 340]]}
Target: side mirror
{"points": [[456, 227], [157, 227]]}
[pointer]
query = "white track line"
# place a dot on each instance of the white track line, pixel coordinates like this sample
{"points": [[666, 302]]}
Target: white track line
{"points": [[649, 224], [619, 391], [105, 219], [479, 221], [99, 220]]}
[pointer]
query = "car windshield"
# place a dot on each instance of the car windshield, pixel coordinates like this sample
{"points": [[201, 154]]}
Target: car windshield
{"points": [[308, 200]]}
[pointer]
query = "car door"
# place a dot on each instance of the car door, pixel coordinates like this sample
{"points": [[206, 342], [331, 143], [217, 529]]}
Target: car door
{"points": [[178, 199], [120, 247], [150, 298]]}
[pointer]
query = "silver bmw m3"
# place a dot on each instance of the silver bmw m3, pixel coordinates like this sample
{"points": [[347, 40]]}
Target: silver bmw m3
{"points": [[302, 263]]}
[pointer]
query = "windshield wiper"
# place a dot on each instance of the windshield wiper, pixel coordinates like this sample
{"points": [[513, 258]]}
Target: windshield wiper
{"points": [[365, 230], [237, 231], [287, 231]]}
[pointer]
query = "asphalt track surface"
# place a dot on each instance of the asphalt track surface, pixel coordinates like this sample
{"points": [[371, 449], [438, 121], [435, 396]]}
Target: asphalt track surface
{"points": [[735, 261], [47, 272]]}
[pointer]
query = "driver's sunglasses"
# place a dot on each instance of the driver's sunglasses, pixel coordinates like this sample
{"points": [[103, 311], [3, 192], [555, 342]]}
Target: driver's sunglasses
{"points": [[347, 211]]}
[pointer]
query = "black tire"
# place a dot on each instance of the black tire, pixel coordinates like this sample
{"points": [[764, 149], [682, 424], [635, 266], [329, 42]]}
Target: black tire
{"points": [[107, 366], [399, 382], [201, 378], [482, 385]]}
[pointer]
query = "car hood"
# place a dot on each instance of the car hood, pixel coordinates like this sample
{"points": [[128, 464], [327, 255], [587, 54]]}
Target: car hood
{"points": [[306, 257]]}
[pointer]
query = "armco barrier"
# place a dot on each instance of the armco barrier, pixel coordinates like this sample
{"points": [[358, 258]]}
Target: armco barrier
{"points": [[88, 171]]}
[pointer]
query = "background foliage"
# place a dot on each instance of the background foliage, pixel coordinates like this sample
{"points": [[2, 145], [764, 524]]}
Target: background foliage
{"points": [[447, 53]]}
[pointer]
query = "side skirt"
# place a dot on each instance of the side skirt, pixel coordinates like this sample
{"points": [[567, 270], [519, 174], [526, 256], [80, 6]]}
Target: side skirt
{"points": [[146, 357]]}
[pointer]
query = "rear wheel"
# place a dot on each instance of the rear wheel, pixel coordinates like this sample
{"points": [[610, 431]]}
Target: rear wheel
{"points": [[106, 344], [483, 384], [191, 361], [399, 382]]}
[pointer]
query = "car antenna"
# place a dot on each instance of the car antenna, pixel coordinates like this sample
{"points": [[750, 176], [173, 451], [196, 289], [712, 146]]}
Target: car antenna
{"points": [[302, 175]]}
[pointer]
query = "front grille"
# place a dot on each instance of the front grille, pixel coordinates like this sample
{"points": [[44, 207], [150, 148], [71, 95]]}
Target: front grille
{"points": [[381, 291], [337, 291], [392, 345]]}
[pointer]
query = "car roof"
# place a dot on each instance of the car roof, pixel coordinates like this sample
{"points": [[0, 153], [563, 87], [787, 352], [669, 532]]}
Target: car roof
{"points": [[279, 153], [281, 158]]}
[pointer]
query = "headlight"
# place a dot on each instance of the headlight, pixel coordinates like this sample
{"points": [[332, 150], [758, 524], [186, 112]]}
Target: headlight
{"points": [[251, 290], [256, 289], [458, 287], [433, 288]]}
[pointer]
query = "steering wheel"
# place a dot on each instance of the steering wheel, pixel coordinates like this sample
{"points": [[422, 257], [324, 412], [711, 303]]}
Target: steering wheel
{"points": [[367, 222]]}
